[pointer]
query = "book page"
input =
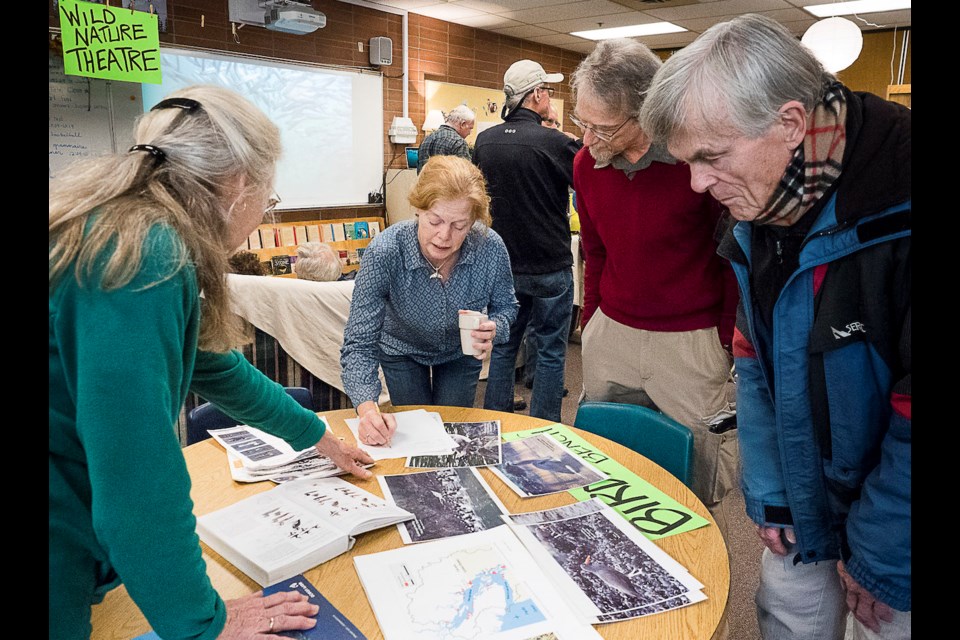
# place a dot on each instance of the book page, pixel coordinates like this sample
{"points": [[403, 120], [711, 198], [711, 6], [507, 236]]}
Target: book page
{"points": [[345, 506], [270, 537], [258, 449]]}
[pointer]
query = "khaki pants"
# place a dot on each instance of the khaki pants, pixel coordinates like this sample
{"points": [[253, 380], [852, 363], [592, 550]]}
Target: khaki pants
{"points": [[687, 375]]}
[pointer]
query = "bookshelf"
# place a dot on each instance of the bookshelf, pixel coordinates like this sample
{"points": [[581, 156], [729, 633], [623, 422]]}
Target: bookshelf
{"points": [[341, 234]]}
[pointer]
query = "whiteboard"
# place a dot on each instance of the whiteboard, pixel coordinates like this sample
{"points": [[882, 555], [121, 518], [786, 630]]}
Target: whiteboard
{"points": [[331, 120], [88, 116]]}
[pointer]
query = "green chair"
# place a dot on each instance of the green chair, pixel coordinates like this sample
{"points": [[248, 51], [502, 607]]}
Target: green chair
{"points": [[648, 432]]}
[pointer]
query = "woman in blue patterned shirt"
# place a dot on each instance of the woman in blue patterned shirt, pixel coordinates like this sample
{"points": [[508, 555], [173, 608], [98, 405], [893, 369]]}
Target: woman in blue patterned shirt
{"points": [[414, 279]]}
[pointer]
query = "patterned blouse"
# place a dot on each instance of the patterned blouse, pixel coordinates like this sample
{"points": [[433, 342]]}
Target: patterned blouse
{"points": [[397, 307]]}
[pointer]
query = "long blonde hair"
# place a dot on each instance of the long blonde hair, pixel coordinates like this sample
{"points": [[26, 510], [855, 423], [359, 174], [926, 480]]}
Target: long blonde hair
{"points": [[102, 208]]}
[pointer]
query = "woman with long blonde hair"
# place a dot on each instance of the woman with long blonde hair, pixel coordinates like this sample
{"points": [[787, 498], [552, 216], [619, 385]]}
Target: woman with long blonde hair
{"points": [[139, 317]]}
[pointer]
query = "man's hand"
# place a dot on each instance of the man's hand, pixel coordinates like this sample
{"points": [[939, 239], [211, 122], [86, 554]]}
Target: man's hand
{"points": [[867, 609], [776, 538]]}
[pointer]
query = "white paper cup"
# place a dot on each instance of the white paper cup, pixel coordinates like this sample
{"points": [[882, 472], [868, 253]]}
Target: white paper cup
{"points": [[468, 322]]}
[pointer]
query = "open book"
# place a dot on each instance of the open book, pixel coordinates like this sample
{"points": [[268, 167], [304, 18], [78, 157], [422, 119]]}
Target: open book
{"points": [[295, 526]]}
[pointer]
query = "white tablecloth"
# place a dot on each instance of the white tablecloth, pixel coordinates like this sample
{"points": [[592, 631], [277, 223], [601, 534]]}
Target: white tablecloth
{"points": [[306, 317]]}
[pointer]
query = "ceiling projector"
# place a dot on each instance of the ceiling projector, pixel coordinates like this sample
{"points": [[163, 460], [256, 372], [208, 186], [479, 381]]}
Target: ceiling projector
{"points": [[294, 19]]}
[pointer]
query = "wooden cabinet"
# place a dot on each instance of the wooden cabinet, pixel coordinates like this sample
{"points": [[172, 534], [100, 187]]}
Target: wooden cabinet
{"points": [[348, 236]]}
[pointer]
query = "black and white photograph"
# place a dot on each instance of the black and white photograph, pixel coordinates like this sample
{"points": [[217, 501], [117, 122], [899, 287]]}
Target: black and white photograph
{"points": [[446, 502], [477, 445], [609, 566], [539, 465]]}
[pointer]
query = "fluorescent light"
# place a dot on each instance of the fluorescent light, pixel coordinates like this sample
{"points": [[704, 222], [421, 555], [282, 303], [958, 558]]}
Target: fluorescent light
{"points": [[856, 6], [651, 29]]}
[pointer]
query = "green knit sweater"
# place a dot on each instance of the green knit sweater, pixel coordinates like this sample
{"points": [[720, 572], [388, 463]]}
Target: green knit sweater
{"points": [[121, 365]]}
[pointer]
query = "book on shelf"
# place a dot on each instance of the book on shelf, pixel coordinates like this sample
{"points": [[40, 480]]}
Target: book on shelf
{"points": [[295, 526], [339, 234], [300, 233], [361, 229], [349, 231], [360, 251], [331, 623], [287, 237], [253, 242], [281, 265], [313, 233], [374, 227], [343, 257], [268, 237], [353, 257], [326, 232]]}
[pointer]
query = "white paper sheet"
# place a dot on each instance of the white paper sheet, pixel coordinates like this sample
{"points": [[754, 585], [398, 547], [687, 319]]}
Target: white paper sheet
{"points": [[419, 432]]}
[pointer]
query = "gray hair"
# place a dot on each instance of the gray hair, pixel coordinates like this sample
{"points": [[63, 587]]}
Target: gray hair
{"points": [[737, 74], [317, 261], [460, 114], [204, 151], [617, 72]]}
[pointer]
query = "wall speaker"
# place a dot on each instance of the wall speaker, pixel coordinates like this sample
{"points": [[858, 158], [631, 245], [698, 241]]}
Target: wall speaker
{"points": [[381, 51]]}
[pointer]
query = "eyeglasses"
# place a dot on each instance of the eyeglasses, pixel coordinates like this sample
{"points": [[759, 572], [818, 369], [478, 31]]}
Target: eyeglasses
{"points": [[271, 205], [605, 134], [550, 90]]}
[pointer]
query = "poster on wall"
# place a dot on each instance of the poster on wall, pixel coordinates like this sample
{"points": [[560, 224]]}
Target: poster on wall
{"points": [[158, 7]]}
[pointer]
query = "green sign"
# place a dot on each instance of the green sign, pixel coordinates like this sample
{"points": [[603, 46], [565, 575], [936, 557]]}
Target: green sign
{"points": [[112, 43], [652, 512]]}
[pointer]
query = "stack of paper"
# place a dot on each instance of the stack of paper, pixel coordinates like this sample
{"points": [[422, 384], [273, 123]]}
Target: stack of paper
{"points": [[419, 432], [605, 569], [254, 455]]}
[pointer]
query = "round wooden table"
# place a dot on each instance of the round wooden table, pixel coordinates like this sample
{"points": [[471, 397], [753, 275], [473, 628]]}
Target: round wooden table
{"points": [[702, 551]]}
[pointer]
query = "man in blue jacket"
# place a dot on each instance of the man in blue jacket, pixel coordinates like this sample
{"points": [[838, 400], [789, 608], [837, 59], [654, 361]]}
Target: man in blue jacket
{"points": [[818, 177]]}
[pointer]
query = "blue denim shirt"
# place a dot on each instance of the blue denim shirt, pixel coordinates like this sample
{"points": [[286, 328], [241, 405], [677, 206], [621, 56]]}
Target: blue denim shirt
{"points": [[398, 308]]}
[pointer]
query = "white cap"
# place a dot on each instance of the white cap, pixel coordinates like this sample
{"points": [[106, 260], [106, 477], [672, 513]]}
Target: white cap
{"points": [[524, 75]]}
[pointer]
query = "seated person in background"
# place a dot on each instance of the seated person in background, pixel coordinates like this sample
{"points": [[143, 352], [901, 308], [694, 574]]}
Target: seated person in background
{"points": [[246, 263], [317, 261], [414, 279]]}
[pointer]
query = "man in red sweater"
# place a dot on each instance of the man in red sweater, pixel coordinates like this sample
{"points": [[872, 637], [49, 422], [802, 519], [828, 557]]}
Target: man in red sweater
{"points": [[659, 304]]}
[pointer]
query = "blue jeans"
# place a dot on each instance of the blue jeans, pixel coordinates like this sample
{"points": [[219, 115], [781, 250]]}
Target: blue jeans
{"points": [[546, 304], [452, 384]]}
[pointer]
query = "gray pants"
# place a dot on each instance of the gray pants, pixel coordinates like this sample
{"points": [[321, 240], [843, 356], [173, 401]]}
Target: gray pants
{"points": [[807, 602]]}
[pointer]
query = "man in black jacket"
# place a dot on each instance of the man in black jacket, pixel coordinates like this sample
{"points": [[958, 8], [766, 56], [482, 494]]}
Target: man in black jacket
{"points": [[529, 168]]}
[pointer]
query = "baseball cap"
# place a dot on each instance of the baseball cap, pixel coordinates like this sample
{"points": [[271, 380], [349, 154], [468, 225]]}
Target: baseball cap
{"points": [[524, 75]]}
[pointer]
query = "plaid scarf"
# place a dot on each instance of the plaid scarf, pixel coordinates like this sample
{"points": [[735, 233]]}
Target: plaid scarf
{"points": [[816, 164]]}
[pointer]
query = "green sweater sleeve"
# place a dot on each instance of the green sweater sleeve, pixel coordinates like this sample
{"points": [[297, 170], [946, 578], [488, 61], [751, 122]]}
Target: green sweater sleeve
{"points": [[244, 393], [127, 356]]}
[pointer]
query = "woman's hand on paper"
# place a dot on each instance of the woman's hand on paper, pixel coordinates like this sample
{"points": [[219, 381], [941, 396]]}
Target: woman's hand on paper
{"points": [[483, 337], [375, 428], [256, 616], [350, 459]]}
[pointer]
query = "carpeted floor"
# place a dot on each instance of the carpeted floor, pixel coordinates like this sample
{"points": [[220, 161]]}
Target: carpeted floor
{"points": [[743, 545]]}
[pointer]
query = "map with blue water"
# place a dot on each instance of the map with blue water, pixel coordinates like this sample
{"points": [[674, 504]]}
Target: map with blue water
{"points": [[466, 595]]}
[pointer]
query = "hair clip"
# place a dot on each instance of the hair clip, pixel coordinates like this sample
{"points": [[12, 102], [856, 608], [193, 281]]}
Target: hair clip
{"points": [[187, 104], [156, 152]]}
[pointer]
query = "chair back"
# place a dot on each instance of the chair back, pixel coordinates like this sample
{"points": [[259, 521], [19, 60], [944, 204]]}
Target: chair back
{"points": [[207, 416], [648, 432]]}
